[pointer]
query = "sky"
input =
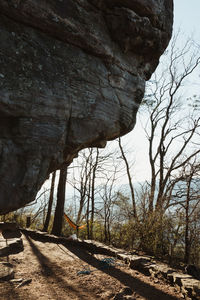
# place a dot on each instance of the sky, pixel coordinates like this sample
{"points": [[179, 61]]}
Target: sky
{"points": [[187, 19], [186, 16]]}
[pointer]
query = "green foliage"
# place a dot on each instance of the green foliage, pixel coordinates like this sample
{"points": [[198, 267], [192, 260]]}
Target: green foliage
{"points": [[17, 217], [98, 231], [123, 235]]}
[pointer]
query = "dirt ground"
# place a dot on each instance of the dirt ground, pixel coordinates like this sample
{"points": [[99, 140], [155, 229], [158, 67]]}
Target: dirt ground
{"points": [[53, 270]]}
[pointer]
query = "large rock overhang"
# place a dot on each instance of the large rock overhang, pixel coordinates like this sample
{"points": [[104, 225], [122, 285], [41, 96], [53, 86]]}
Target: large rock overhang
{"points": [[72, 75]]}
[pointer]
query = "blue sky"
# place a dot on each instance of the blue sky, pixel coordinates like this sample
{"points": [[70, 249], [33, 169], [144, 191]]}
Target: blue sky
{"points": [[187, 17]]}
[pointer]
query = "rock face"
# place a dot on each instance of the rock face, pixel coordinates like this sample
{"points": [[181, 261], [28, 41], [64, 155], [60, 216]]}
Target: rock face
{"points": [[72, 75]]}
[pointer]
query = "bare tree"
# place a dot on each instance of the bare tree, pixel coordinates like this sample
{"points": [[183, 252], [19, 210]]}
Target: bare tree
{"points": [[172, 133], [107, 196], [48, 216], [58, 216], [84, 185], [128, 171], [93, 167], [187, 196], [84, 180], [93, 181]]}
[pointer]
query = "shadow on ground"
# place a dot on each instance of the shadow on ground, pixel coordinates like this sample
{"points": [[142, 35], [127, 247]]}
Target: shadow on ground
{"points": [[141, 288], [51, 271]]}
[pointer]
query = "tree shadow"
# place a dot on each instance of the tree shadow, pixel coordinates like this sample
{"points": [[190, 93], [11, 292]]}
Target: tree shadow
{"points": [[143, 289], [51, 270], [8, 291]]}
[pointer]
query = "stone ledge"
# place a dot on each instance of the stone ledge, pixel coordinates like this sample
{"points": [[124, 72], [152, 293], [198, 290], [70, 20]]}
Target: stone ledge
{"points": [[11, 247], [10, 230], [8, 226], [188, 285]]}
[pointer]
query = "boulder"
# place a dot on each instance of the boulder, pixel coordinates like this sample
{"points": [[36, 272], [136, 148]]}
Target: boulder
{"points": [[72, 76], [141, 263], [6, 271], [11, 234], [10, 230], [191, 288], [8, 226], [11, 246], [193, 271]]}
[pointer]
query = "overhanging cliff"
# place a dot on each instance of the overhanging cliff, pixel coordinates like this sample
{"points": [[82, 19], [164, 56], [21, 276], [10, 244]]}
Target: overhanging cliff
{"points": [[72, 75]]}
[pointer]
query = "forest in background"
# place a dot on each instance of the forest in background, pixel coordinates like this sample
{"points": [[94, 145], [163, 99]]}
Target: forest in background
{"points": [[159, 216]]}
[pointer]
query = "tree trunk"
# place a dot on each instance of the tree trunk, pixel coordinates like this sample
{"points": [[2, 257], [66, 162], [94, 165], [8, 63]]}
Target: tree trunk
{"points": [[105, 232], [87, 214], [58, 217], [187, 242], [129, 179], [93, 193], [187, 220], [46, 224]]}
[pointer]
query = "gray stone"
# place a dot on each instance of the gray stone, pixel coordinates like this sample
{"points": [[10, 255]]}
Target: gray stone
{"points": [[136, 261], [72, 76], [191, 288], [196, 290], [193, 271], [6, 271], [163, 270], [16, 280], [10, 230], [124, 257], [178, 277], [24, 282], [10, 247], [10, 234], [8, 226], [141, 263]]}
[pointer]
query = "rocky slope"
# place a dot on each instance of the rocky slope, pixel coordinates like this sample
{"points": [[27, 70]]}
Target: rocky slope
{"points": [[72, 75]]}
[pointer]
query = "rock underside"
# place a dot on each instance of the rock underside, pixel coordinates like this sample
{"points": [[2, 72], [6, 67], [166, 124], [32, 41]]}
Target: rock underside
{"points": [[72, 75]]}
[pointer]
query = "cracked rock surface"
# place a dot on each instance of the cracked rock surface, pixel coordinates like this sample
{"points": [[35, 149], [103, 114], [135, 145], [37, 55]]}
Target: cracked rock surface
{"points": [[72, 75]]}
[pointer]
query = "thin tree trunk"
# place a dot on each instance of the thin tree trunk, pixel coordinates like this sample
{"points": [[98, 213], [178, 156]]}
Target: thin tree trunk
{"points": [[58, 217], [187, 244], [105, 224], [87, 213], [105, 231], [92, 193], [129, 179], [187, 240], [46, 224]]}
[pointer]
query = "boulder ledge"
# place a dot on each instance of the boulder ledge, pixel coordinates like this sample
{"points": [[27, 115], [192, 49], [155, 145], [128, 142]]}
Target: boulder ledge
{"points": [[72, 75]]}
